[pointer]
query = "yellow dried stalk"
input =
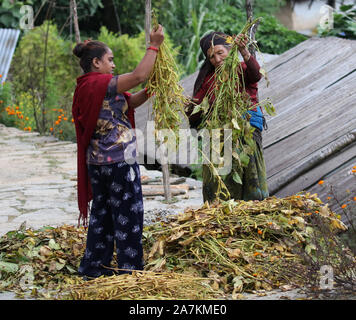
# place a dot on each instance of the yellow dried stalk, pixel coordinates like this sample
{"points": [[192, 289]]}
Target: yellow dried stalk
{"points": [[142, 285]]}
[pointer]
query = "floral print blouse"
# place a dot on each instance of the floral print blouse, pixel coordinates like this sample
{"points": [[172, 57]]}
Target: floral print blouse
{"points": [[114, 139]]}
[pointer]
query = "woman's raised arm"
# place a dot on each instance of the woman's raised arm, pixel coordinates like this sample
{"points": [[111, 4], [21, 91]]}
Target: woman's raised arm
{"points": [[130, 80]]}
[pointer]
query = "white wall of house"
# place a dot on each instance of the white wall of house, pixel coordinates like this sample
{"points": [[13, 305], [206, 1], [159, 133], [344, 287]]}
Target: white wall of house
{"points": [[303, 19]]}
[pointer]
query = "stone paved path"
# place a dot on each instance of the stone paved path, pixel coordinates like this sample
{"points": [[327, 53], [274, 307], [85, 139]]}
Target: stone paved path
{"points": [[38, 183]]}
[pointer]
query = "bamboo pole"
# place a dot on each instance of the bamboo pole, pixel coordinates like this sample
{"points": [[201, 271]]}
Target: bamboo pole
{"points": [[252, 31]]}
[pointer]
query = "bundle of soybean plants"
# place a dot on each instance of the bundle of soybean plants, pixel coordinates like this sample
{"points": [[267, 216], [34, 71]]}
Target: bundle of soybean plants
{"points": [[163, 85], [231, 106]]}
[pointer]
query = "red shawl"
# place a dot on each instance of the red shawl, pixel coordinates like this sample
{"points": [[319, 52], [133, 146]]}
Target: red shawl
{"points": [[87, 102]]}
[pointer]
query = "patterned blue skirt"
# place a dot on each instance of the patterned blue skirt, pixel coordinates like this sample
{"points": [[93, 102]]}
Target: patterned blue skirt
{"points": [[116, 217]]}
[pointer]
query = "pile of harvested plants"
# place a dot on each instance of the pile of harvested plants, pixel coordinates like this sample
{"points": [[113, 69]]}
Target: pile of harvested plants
{"points": [[217, 250], [40, 259], [242, 245]]}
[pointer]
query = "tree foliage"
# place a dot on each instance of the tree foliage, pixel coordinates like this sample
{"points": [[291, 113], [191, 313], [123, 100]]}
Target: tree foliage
{"points": [[44, 67], [58, 11]]}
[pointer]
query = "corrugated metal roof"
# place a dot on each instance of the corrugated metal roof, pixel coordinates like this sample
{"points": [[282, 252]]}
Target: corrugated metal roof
{"points": [[8, 41]]}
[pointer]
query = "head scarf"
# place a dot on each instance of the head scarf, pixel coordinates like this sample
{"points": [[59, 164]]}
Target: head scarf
{"points": [[213, 38]]}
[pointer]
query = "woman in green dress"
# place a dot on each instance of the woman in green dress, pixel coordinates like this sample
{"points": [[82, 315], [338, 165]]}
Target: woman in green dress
{"points": [[253, 177]]}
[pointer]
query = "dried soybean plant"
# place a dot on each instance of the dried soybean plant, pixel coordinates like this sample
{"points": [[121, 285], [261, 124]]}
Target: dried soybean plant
{"points": [[244, 245], [163, 83], [142, 285]]}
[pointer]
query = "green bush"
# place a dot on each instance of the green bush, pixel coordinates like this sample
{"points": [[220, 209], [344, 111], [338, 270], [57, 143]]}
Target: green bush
{"points": [[5, 94], [48, 78], [6, 104]]}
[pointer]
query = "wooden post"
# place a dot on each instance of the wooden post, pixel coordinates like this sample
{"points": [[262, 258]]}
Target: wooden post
{"points": [[117, 17], [163, 151], [148, 21], [73, 5], [252, 31]]}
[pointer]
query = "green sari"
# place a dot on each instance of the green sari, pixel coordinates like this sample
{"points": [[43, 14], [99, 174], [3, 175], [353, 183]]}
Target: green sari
{"points": [[254, 180]]}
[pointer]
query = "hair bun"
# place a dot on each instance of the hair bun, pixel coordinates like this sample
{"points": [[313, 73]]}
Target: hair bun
{"points": [[78, 49]]}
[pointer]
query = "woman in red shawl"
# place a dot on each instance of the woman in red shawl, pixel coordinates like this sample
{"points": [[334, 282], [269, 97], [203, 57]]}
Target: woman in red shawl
{"points": [[108, 174]]}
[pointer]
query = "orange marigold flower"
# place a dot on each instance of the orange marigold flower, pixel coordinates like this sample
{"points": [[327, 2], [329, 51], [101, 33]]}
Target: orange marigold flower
{"points": [[17, 108], [316, 211], [0, 75], [56, 123], [321, 182], [328, 198], [65, 119], [344, 206], [255, 274], [353, 170], [27, 118], [29, 128], [256, 254], [72, 120], [51, 129], [259, 231]]}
